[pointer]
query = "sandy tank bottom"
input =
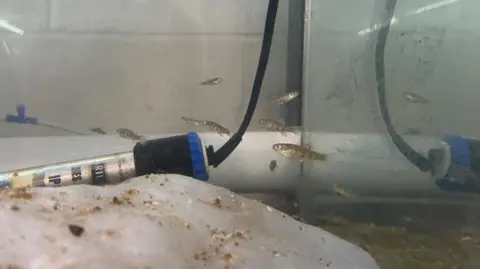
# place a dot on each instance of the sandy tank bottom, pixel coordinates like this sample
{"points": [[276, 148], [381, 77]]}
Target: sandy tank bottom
{"points": [[409, 236]]}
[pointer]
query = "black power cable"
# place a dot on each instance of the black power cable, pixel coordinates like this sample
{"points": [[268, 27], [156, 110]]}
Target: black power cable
{"points": [[413, 156], [216, 158]]}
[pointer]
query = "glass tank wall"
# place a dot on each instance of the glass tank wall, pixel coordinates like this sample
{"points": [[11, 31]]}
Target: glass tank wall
{"points": [[80, 70], [367, 191], [84, 68], [78, 65]]}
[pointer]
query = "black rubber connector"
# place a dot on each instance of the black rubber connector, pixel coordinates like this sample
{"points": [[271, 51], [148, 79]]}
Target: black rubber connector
{"points": [[164, 155]]}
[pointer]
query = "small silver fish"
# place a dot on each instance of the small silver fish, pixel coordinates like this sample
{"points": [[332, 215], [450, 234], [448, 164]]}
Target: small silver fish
{"points": [[343, 192], [298, 152], [209, 125], [194, 121], [273, 164], [98, 130], [129, 134], [286, 98], [276, 126], [415, 98], [212, 81]]}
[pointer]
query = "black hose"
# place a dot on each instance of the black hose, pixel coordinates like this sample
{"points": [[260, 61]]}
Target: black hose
{"points": [[413, 156], [216, 158]]}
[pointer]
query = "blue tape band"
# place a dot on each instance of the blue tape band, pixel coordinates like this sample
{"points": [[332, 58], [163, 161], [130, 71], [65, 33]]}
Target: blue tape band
{"points": [[459, 149], [197, 156]]}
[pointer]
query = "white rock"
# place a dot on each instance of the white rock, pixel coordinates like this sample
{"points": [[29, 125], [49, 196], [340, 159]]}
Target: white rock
{"points": [[164, 221]]}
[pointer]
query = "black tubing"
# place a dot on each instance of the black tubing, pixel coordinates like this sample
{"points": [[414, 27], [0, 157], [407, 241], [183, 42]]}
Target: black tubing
{"points": [[216, 158], [412, 156]]}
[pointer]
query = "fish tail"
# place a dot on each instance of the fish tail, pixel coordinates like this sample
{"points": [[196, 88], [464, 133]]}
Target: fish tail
{"points": [[319, 156], [189, 120], [295, 129], [223, 132], [217, 128]]}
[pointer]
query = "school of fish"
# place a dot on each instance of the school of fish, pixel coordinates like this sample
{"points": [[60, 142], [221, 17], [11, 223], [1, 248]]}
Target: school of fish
{"points": [[287, 150], [291, 151]]}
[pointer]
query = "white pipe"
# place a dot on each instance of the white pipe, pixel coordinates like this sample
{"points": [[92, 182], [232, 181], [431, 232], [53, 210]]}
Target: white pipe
{"points": [[367, 163], [246, 170]]}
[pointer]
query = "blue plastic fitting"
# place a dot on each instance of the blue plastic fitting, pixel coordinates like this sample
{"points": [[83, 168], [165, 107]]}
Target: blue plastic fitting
{"points": [[198, 157], [20, 117]]}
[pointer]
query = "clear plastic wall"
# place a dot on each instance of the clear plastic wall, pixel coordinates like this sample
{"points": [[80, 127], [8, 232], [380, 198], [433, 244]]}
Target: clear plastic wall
{"points": [[429, 56], [393, 210], [71, 66], [78, 65], [81, 68]]}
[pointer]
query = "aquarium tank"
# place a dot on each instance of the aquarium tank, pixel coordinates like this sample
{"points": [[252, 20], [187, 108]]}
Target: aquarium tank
{"points": [[356, 117]]}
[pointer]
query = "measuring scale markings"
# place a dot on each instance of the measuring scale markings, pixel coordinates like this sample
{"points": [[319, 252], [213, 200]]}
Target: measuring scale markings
{"points": [[76, 173], [98, 174], [99, 171]]}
